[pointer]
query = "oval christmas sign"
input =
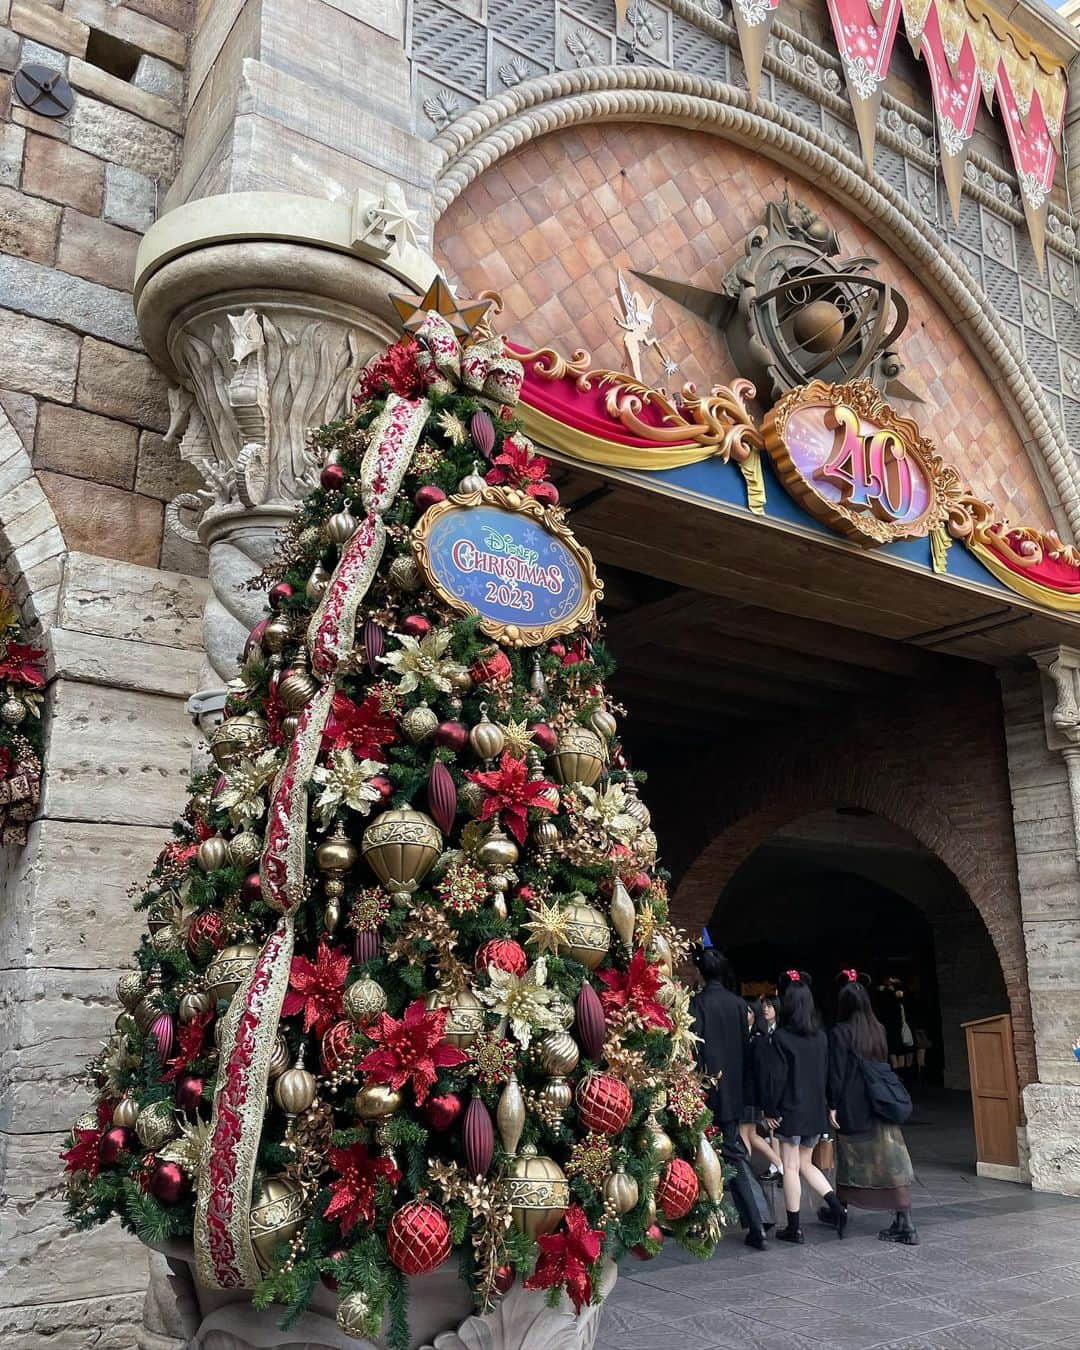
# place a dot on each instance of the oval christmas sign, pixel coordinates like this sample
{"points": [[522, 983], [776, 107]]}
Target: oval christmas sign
{"points": [[499, 554]]}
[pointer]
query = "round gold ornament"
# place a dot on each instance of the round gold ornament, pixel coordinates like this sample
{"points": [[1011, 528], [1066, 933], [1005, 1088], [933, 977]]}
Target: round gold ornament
{"points": [[125, 1112], [294, 1090], [244, 848], [466, 1016], [13, 711], [404, 573], [276, 1215], [545, 834], [309, 541], [471, 797], [341, 527], [559, 1054], [276, 633], [620, 1191], [289, 725], [538, 1192], [336, 854], [156, 1125], [195, 1005], [487, 738], [557, 1094], [166, 940], [229, 968], [279, 1057], [603, 723], [400, 846], [646, 846], [236, 737], [352, 1314], [588, 935], [377, 1101], [498, 849], [298, 686], [578, 757], [419, 723], [130, 988], [212, 853], [364, 1001], [87, 1121], [651, 1135]]}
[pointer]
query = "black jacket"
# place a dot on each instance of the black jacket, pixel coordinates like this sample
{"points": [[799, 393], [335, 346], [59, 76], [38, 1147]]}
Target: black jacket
{"points": [[720, 1021], [845, 1085], [794, 1088]]}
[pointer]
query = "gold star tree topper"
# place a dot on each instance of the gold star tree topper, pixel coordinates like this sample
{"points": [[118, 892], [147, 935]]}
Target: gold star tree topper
{"points": [[462, 316]]}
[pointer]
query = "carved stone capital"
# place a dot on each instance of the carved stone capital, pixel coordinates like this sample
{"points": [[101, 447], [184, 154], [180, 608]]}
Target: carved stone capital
{"points": [[1060, 668]]}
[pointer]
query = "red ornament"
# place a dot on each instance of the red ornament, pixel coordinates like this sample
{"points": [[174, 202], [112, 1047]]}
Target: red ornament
{"points": [[604, 1103], [415, 625], [168, 1183], [503, 954], [557, 648], [482, 430], [114, 1144], [545, 492], [382, 785], [189, 1093], [504, 1279], [251, 889], [571, 659], [207, 930], [332, 477], [525, 894], [428, 495], [331, 1280], [337, 1049], [163, 1032], [544, 737], [452, 735], [365, 946], [478, 1138], [639, 883], [678, 1188], [254, 639], [373, 640], [418, 1238], [442, 796], [655, 1234], [591, 1021], [278, 594], [493, 665], [441, 1112]]}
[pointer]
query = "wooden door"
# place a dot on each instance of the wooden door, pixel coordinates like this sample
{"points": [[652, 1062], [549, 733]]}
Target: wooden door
{"points": [[994, 1095]]}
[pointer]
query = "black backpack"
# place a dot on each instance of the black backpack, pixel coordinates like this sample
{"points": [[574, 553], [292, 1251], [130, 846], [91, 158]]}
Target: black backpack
{"points": [[889, 1098]]}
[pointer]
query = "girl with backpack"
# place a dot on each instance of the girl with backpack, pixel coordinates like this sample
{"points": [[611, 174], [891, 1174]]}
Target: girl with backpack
{"points": [[867, 1105], [792, 1083]]}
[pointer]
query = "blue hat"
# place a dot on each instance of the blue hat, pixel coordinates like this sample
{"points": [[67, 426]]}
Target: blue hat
{"points": [[706, 940]]}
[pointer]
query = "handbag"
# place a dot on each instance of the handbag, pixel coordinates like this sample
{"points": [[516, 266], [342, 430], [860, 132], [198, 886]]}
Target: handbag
{"points": [[889, 1098], [824, 1154]]}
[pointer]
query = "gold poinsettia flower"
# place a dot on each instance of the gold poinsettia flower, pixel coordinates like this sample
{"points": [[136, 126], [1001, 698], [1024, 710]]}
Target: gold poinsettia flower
{"points": [[346, 781], [187, 1150], [422, 659], [522, 999], [608, 810], [683, 1037], [547, 926], [244, 783]]}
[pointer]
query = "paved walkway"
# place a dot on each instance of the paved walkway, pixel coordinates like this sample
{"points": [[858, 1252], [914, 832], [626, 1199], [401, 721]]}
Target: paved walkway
{"points": [[998, 1269]]}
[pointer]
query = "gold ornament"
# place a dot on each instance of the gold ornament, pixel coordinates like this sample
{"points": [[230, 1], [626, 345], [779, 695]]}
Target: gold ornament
{"points": [[341, 527], [519, 739], [649, 1216], [125, 1112], [276, 1215], [294, 1090], [298, 686], [660, 953], [558, 1053], [400, 846], [13, 711], [212, 853], [547, 927], [466, 1016], [404, 573], [635, 807], [236, 738], [130, 989], [156, 1125], [229, 968], [623, 914], [276, 633], [352, 1314], [334, 857], [364, 1001], [709, 1171], [537, 1192], [588, 935], [194, 1005], [472, 482], [376, 1101], [289, 725], [498, 906], [578, 757], [419, 723], [498, 850], [315, 587], [244, 848], [652, 1136], [557, 1094], [545, 835], [162, 913], [471, 797], [620, 1191], [646, 846], [87, 1121], [279, 1058], [487, 738], [603, 724], [510, 1115]]}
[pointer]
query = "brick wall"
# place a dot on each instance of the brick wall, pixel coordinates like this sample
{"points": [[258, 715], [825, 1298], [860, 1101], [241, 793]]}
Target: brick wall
{"points": [[76, 195]]}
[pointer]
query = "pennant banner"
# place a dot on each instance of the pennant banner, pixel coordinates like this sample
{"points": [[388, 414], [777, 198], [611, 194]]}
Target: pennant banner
{"points": [[1033, 154], [954, 81], [865, 35], [753, 21]]}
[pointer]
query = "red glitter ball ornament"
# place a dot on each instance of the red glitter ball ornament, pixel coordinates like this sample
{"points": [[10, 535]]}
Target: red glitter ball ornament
{"points": [[337, 1049], [207, 930], [604, 1103], [493, 665], [678, 1188], [332, 477], [441, 1112], [428, 495], [544, 737], [189, 1093], [503, 954], [168, 1183], [114, 1144], [418, 1238], [655, 1234], [278, 594], [415, 625], [452, 736]]}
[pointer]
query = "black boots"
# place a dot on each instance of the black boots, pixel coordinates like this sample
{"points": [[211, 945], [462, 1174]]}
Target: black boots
{"points": [[756, 1239], [833, 1214], [901, 1230], [793, 1232]]}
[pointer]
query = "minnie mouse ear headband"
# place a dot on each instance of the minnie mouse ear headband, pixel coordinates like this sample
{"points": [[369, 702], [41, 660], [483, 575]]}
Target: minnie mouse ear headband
{"points": [[793, 976], [849, 975]]}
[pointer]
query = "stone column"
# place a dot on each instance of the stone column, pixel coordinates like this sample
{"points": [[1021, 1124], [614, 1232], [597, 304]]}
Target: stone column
{"points": [[262, 308], [1042, 728]]}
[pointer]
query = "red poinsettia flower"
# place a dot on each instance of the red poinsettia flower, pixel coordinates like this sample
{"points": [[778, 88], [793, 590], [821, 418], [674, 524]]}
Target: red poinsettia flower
{"points": [[635, 988], [362, 728], [396, 367], [410, 1049], [190, 1037], [83, 1154], [352, 1196], [567, 1258], [21, 664], [511, 795], [316, 987], [518, 467]]}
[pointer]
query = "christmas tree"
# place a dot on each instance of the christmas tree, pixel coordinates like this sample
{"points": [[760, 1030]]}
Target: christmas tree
{"points": [[407, 986]]}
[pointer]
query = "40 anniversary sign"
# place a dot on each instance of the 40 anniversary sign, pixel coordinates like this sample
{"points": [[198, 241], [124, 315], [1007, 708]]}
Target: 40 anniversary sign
{"points": [[500, 554]]}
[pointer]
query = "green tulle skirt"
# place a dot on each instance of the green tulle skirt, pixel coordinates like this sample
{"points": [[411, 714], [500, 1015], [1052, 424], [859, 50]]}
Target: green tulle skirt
{"points": [[873, 1170]]}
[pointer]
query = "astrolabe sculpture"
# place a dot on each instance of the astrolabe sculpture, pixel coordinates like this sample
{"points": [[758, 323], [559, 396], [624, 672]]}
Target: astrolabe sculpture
{"points": [[792, 309]]}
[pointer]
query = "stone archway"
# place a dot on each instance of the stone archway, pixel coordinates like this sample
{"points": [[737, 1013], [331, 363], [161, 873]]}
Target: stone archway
{"points": [[31, 546]]}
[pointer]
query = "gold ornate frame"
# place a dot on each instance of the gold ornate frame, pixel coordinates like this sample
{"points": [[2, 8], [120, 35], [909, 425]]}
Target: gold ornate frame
{"points": [[549, 520]]}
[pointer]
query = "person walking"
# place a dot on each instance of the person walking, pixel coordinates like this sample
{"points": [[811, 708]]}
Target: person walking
{"points": [[793, 1090], [758, 1032], [873, 1167], [720, 1022]]}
